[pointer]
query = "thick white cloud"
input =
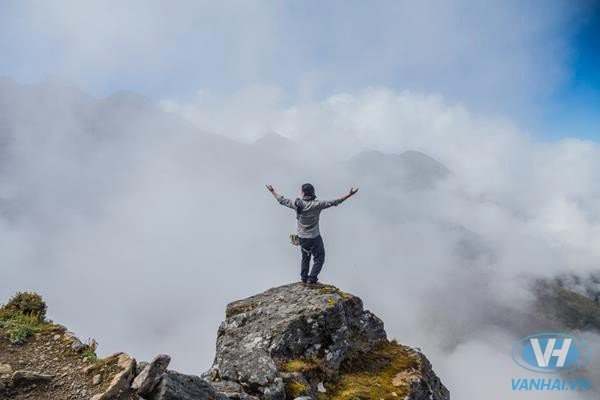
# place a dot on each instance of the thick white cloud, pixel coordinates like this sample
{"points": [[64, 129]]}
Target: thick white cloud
{"points": [[489, 152], [143, 219]]}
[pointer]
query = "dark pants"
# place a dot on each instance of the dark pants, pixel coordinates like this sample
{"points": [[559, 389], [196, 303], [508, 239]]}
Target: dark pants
{"points": [[312, 247]]}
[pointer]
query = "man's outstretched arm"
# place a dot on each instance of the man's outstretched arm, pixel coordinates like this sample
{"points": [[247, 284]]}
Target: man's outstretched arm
{"points": [[282, 200], [328, 203], [351, 193]]}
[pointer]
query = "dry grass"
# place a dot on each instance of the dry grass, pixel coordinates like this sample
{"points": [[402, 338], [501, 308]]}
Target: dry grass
{"points": [[295, 389], [330, 289], [301, 365], [383, 373], [370, 376]]}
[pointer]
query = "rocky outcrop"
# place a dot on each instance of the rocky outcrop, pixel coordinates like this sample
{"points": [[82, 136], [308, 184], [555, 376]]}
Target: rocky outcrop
{"points": [[176, 386], [121, 382], [26, 378], [294, 341], [150, 375], [290, 342]]}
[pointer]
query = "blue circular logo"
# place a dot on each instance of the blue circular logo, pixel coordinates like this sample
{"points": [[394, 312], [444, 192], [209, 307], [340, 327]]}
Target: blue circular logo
{"points": [[551, 352]]}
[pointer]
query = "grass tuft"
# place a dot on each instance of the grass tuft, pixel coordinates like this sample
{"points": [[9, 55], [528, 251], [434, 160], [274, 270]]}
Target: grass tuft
{"points": [[295, 389], [298, 365], [330, 289], [89, 355]]}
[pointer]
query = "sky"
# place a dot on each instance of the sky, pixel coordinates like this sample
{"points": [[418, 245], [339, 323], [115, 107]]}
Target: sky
{"points": [[574, 106], [535, 64], [130, 179]]}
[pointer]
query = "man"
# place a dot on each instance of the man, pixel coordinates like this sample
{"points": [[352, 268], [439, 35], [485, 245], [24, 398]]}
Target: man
{"points": [[308, 209]]}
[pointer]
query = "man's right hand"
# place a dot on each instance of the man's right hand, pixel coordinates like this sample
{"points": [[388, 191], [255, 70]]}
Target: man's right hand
{"points": [[351, 193], [272, 190]]}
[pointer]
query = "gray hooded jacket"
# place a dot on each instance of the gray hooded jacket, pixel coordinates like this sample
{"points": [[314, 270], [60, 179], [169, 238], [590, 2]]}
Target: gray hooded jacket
{"points": [[308, 219]]}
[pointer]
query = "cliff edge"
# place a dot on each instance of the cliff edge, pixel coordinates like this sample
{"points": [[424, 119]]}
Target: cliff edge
{"points": [[318, 343]]}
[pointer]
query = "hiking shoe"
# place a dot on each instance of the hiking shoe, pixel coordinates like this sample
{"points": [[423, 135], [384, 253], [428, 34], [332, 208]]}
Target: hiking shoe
{"points": [[314, 285]]}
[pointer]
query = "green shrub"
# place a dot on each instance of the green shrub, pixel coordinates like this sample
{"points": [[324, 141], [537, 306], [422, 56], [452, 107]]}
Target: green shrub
{"points": [[27, 303], [19, 327], [22, 316]]}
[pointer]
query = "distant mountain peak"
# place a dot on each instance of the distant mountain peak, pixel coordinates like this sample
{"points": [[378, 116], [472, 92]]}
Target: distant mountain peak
{"points": [[131, 100], [410, 169], [273, 139]]}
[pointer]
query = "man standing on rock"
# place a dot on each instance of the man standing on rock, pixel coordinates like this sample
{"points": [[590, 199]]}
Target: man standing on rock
{"points": [[308, 209]]}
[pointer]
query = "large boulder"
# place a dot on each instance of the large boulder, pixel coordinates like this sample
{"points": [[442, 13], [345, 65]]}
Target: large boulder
{"points": [[176, 386], [295, 341], [26, 378], [119, 386], [151, 375]]}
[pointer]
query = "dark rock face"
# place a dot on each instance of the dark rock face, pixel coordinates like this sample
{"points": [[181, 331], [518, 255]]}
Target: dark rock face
{"points": [[176, 386], [322, 327], [428, 385]]}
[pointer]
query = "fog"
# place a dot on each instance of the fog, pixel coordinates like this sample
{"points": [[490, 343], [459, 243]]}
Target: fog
{"points": [[138, 228], [138, 218]]}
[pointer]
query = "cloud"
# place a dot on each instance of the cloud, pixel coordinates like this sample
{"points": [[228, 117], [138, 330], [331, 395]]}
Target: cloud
{"points": [[507, 158], [499, 56], [138, 227], [254, 107]]}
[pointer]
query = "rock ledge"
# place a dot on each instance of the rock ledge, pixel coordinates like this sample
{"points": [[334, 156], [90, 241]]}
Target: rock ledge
{"points": [[294, 341]]}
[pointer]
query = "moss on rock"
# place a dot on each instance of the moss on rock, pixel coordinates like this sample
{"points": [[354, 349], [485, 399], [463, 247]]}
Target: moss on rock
{"points": [[383, 373]]}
